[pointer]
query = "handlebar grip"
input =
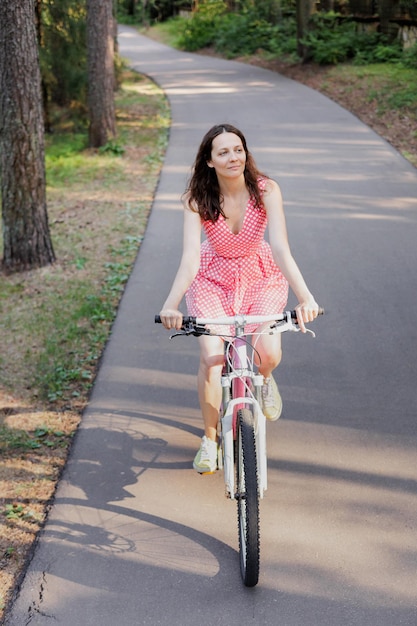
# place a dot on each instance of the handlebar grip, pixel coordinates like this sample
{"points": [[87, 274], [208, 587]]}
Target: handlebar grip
{"points": [[294, 313], [186, 319]]}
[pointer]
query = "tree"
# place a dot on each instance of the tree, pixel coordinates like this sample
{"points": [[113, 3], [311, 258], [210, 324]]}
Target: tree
{"points": [[26, 239], [304, 10], [100, 55]]}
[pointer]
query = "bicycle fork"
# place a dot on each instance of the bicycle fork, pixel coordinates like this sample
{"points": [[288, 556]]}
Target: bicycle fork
{"points": [[228, 430]]}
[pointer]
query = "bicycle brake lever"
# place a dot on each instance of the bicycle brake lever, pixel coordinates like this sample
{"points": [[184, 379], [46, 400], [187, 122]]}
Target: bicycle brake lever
{"points": [[296, 328], [197, 331], [293, 328], [311, 333], [287, 325]]}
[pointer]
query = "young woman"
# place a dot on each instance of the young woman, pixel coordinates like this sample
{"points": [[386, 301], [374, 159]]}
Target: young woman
{"points": [[234, 270]]}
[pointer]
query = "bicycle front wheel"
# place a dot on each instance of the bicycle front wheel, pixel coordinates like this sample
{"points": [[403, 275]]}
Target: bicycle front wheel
{"points": [[247, 498]]}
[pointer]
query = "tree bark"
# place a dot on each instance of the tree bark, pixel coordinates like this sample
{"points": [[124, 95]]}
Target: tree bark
{"points": [[26, 238], [304, 10], [100, 43]]}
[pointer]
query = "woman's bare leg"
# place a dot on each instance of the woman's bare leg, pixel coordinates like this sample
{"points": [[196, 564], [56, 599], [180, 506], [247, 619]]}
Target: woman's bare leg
{"points": [[208, 381], [270, 352], [268, 357]]}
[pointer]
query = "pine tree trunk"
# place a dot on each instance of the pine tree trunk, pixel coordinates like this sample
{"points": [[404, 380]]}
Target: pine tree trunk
{"points": [[100, 42], [304, 10], [26, 238]]}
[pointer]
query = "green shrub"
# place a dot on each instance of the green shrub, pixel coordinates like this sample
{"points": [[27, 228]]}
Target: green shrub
{"points": [[200, 30], [268, 10], [243, 34], [334, 39], [237, 34], [329, 40], [375, 48]]}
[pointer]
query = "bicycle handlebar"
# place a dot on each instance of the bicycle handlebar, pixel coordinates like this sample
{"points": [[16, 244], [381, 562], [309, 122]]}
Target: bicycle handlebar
{"points": [[246, 319]]}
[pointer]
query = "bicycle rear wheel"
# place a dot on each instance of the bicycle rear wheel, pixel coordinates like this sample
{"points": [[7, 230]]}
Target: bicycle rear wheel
{"points": [[247, 498]]}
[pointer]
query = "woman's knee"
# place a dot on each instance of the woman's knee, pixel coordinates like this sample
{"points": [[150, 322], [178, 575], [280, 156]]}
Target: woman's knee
{"points": [[211, 356], [211, 361], [269, 352], [271, 358]]}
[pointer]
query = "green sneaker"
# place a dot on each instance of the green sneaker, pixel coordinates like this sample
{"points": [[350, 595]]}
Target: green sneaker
{"points": [[271, 400], [205, 461]]}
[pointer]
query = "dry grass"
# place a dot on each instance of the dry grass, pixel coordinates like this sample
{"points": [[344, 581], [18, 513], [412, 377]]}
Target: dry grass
{"points": [[28, 475]]}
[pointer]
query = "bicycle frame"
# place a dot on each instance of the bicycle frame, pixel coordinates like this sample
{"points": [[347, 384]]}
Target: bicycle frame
{"points": [[241, 387], [236, 393]]}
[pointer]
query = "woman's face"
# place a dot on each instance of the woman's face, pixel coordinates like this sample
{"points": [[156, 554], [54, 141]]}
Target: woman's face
{"points": [[228, 155]]}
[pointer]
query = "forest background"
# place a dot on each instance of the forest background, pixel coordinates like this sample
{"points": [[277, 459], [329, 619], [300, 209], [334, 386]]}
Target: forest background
{"points": [[55, 317]]}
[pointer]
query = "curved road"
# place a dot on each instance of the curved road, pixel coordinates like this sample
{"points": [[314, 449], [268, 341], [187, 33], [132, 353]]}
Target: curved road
{"points": [[135, 537]]}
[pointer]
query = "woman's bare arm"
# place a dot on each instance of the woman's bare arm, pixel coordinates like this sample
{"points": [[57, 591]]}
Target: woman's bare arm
{"points": [[307, 308], [190, 261]]}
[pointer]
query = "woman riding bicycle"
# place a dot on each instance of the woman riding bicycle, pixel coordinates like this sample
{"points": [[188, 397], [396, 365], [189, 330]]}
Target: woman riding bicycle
{"points": [[234, 270]]}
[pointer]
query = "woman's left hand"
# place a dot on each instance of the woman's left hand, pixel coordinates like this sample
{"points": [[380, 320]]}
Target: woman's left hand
{"points": [[307, 311]]}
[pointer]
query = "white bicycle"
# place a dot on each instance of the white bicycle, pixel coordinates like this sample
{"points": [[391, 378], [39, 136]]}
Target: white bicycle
{"points": [[242, 425]]}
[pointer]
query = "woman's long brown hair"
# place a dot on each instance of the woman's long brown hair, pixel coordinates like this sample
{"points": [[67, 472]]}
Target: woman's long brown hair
{"points": [[203, 189]]}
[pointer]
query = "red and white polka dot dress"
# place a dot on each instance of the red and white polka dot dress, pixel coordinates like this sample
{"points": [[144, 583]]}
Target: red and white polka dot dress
{"points": [[237, 272]]}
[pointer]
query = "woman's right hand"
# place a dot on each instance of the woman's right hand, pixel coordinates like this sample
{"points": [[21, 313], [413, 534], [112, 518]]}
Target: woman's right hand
{"points": [[171, 319]]}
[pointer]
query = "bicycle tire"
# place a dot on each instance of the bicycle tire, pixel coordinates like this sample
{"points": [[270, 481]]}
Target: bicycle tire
{"points": [[247, 498]]}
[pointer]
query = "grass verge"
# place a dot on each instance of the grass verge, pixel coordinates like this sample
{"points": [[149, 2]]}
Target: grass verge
{"points": [[54, 322]]}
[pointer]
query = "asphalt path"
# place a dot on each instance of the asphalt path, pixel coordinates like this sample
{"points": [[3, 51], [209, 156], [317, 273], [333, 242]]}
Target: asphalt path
{"points": [[135, 536]]}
